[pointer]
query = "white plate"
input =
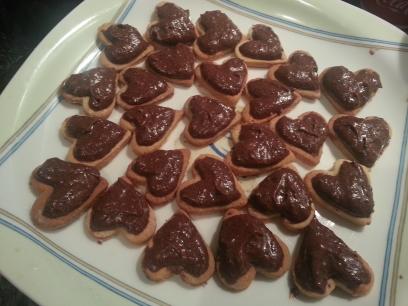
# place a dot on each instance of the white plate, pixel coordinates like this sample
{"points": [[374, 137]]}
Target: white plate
{"points": [[67, 268]]}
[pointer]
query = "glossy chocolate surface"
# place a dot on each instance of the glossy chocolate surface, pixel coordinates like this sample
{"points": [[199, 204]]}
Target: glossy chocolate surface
{"points": [[208, 117], [99, 84], [282, 192], [245, 241], [349, 191], [95, 137], [323, 256], [178, 246], [121, 206], [72, 185]]}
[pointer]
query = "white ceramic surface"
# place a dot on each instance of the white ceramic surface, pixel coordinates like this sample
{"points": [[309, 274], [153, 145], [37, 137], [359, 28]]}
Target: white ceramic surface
{"points": [[58, 264]]}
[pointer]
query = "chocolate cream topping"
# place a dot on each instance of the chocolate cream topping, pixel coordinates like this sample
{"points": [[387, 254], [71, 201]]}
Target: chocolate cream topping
{"points": [[228, 78], [209, 117], [126, 43], [282, 192], [366, 138], [221, 34], [264, 44], [151, 122], [174, 26], [300, 72], [268, 98], [308, 133], [178, 246], [348, 89], [162, 169], [245, 241], [95, 137], [72, 185], [99, 84], [121, 206], [216, 187], [323, 256], [258, 147], [142, 86], [348, 191]]}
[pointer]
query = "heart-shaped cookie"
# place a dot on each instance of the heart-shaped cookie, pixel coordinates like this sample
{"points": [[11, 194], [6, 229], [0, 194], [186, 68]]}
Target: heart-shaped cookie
{"points": [[262, 49], [173, 26], [226, 81], [65, 191], [256, 150], [95, 89], [349, 91], [124, 46], [218, 35], [95, 141], [304, 136], [324, 261], [209, 120], [212, 188], [282, 193], [141, 87], [246, 246], [300, 73], [268, 99], [161, 171], [175, 64], [178, 248], [151, 125], [345, 191], [121, 210], [363, 139]]}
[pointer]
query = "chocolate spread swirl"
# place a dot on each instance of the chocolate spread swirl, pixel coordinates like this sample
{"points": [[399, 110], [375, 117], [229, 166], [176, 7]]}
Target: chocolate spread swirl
{"points": [[258, 147], [126, 43], [323, 256], [228, 78], [245, 241], [216, 187], [151, 123], [282, 192], [349, 191], [308, 133], [179, 247], [174, 26], [300, 72], [162, 169], [120, 206], [95, 137], [142, 86], [208, 117], [72, 185], [365, 138], [99, 84], [264, 44], [221, 34], [351, 90], [268, 98]]}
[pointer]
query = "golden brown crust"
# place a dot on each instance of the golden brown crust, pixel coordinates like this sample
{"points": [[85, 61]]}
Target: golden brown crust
{"points": [[154, 200], [105, 62], [206, 88], [201, 142], [245, 280], [44, 192], [137, 239], [240, 202], [99, 163], [322, 203], [141, 149], [301, 155]]}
